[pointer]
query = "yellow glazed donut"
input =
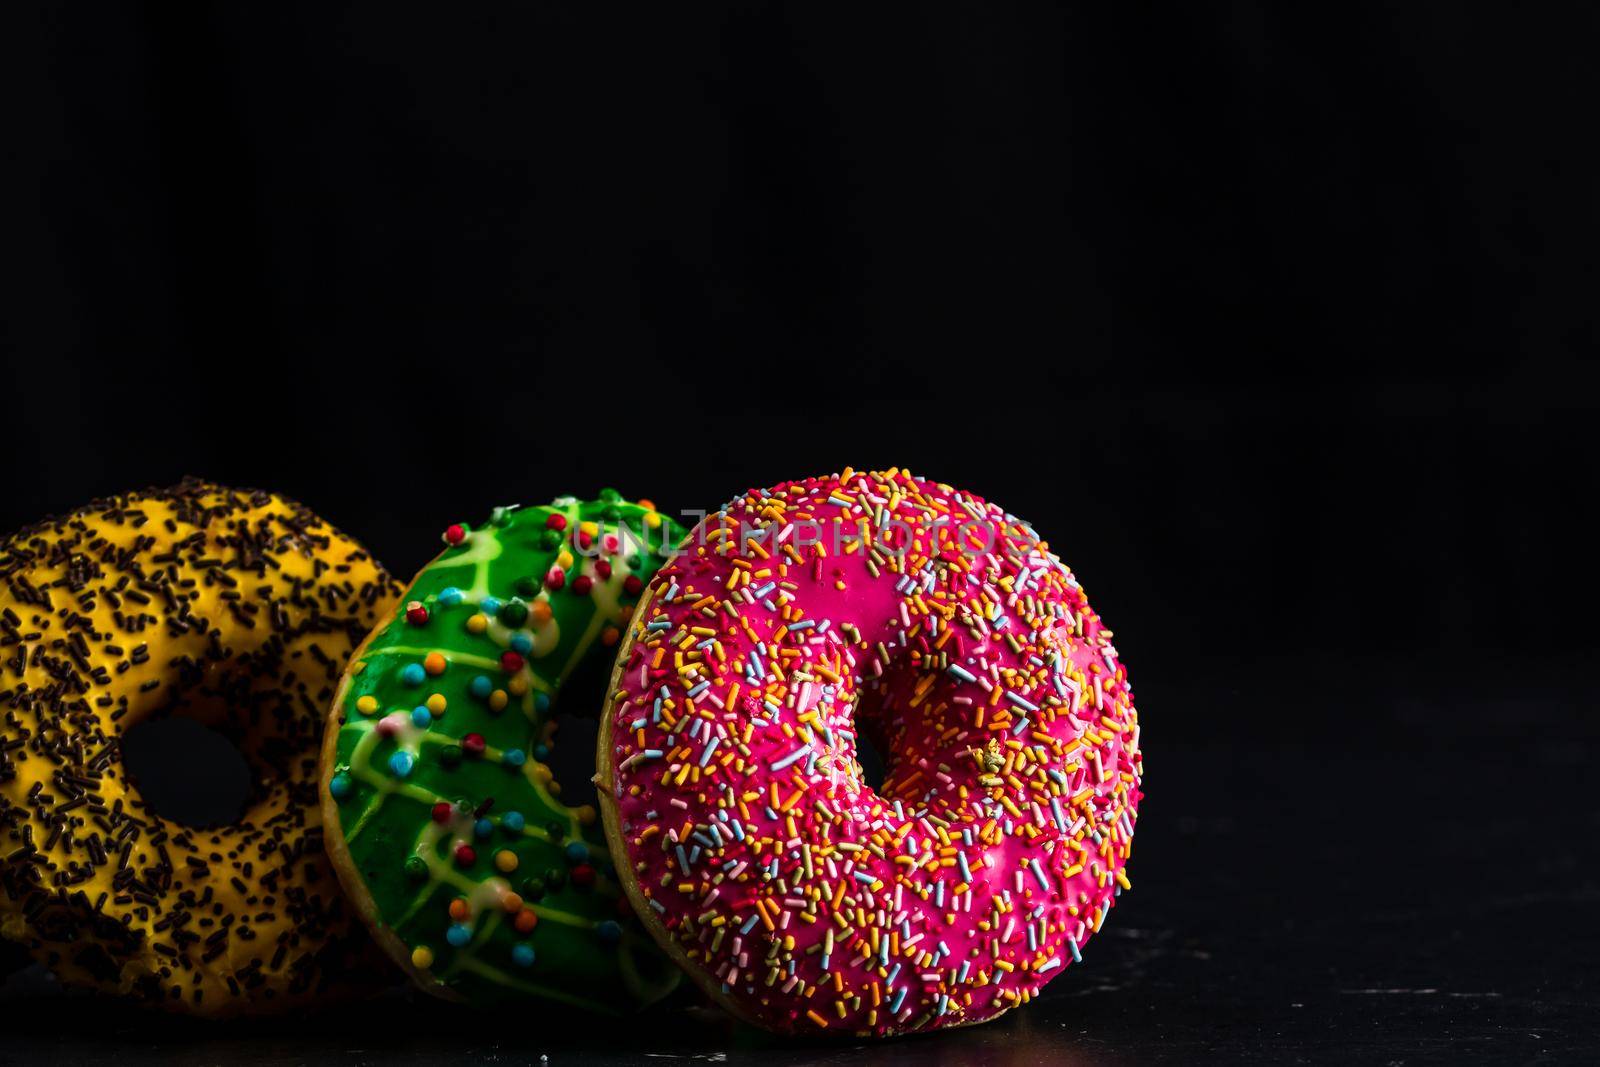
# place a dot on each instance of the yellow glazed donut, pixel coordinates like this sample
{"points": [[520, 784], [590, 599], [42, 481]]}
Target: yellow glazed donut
{"points": [[237, 609]]}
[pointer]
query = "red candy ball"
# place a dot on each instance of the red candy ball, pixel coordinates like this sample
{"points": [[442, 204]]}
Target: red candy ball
{"points": [[556, 522], [473, 744], [465, 855], [582, 584], [454, 534], [556, 578], [632, 585], [416, 614], [511, 662], [442, 812], [583, 875], [603, 569]]}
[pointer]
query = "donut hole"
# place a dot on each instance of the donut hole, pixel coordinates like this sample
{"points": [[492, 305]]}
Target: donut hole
{"points": [[872, 764], [187, 772], [572, 758]]}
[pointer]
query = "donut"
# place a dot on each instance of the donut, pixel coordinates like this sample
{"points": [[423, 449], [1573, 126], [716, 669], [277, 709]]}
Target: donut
{"points": [[232, 607], [445, 821], [797, 895]]}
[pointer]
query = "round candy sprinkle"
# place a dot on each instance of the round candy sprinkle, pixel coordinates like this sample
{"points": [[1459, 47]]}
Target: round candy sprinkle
{"points": [[497, 700], [608, 931], [483, 828], [367, 705], [466, 855], [513, 757], [443, 812], [478, 623], [511, 662], [450, 755], [511, 903], [481, 686], [525, 921], [522, 954], [434, 663], [505, 861], [491, 605], [436, 704], [577, 852], [401, 763], [416, 868], [421, 717], [416, 614], [459, 935], [422, 957], [460, 910], [555, 578], [339, 785], [454, 534], [522, 643], [527, 586], [413, 674], [556, 521], [513, 821], [632, 585], [473, 745], [513, 613], [582, 584], [450, 596], [583, 876], [533, 889]]}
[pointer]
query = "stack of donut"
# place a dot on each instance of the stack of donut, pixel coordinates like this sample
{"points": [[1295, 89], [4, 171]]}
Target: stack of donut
{"points": [[400, 746]]}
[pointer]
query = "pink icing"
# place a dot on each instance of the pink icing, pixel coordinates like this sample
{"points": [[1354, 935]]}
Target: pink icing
{"points": [[996, 844]]}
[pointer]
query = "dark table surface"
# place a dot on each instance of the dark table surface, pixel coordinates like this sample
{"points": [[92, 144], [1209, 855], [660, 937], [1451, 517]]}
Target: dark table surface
{"points": [[1417, 891]]}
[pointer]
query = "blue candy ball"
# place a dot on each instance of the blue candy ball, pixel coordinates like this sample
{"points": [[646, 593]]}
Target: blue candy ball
{"points": [[577, 852], [449, 596], [458, 934], [522, 954], [401, 763], [413, 674], [490, 605], [513, 821], [339, 787], [514, 757], [608, 931], [421, 716], [521, 642], [482, 687], [483, 828], [541, 752]]}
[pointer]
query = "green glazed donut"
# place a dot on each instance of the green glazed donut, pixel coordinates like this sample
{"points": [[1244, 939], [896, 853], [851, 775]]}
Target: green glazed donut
{"points": [[442, 816]]}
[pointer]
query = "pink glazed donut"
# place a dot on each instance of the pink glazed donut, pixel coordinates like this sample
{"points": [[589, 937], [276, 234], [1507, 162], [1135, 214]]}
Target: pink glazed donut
{"points": [[797, 895]]}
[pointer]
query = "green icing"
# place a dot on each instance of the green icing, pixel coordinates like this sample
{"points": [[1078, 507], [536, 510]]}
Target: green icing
{"points": [[587, 949]]}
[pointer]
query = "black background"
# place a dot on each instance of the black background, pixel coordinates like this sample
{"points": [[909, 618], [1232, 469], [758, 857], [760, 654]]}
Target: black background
{"points": [[1276, 322]]}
